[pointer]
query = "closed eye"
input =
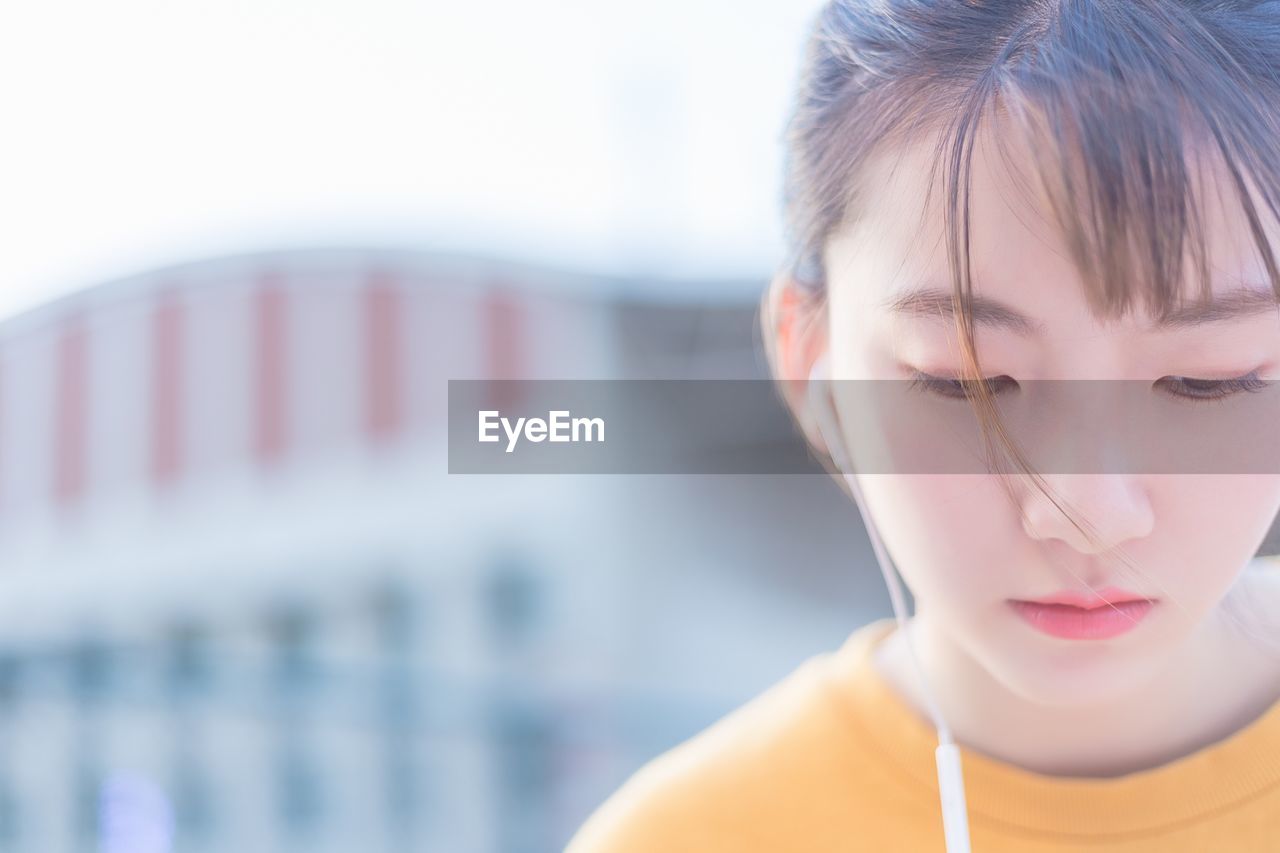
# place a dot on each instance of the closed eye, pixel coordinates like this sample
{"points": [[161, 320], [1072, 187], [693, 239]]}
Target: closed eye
{"points": [[1189, 388], [957, 389], [1181, 387]]}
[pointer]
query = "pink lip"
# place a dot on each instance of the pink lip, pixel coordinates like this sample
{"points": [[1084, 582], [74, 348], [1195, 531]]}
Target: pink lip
{"points": [[1090, 600], [1084, 616]]}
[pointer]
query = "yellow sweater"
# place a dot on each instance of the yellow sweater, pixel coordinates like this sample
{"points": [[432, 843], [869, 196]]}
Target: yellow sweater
{"points": [[830, 759]]}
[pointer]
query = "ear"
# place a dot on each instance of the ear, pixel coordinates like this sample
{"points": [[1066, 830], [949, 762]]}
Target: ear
{"points": [[793, 323]]}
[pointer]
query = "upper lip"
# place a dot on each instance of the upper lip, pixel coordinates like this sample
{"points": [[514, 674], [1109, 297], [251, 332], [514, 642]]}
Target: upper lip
{"points": [[1087, 599]]}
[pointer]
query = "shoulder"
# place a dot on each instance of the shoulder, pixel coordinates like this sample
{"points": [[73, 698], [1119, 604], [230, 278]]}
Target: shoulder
{"points": [[697, 795], [757, 778]]}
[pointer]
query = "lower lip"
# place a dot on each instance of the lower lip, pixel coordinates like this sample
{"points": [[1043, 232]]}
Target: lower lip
{"points": [[1077, 623]]}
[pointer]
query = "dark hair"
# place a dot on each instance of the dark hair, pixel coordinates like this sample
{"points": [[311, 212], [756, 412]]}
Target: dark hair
{"points": [[1119, 95]]}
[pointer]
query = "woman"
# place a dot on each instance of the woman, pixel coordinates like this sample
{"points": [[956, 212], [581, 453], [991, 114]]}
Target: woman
{"points": [[1015, 192]]}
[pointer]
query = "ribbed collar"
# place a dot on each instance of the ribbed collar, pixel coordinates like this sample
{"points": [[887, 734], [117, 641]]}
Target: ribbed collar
{"points": [[1214, 779]]}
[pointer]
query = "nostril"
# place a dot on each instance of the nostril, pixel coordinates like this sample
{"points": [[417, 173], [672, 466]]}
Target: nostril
{"points": [[1091, 513]]}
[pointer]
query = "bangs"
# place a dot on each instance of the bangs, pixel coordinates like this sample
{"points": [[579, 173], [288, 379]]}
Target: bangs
{"points": [[1143, 118], [1131, 125]]}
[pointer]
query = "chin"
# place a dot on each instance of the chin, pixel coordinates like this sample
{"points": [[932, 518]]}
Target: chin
{"points": [[1076, 676]]}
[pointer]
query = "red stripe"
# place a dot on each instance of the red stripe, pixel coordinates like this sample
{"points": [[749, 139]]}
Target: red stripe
{"points": [[71, 414], [166, 385], [383, 404], [504, 344], [270, 433]]}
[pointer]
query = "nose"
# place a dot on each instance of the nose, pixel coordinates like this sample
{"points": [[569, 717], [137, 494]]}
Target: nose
{"points": [[1116, 506]]}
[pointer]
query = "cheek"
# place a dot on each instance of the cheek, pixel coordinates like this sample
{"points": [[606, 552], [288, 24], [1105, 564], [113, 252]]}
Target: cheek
{"points": [[954, 538], [958, 542], [1209, 527]]}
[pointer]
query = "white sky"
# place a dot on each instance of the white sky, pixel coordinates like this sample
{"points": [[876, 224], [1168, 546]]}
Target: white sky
{"points": [[624, 137]]}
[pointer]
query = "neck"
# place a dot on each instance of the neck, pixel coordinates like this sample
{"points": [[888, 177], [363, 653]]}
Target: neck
{"points": [[1215, 683]]}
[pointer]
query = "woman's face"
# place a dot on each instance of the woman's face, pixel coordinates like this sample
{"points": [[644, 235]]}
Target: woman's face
{"points": [[962, 546]]}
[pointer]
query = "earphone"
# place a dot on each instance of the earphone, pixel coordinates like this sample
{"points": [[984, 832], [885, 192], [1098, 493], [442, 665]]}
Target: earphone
{"points": [[955, 819]]}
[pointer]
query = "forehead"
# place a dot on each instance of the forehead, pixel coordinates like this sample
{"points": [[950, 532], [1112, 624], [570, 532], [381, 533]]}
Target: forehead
{"points": [[893, 245]]}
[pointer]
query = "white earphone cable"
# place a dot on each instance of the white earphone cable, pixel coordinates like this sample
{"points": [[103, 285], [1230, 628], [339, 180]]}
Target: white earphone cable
{"points": [[950, 779]]}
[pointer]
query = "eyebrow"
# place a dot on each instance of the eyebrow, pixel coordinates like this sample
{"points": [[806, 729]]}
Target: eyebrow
{"points": [[935, 304]]}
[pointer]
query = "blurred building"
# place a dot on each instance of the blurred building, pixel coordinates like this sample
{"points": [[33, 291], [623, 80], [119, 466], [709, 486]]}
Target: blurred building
{"points": [[244, 607]]}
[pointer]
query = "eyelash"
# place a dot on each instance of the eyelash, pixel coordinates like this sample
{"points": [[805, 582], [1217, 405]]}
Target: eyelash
{"points": [[955, 389]]}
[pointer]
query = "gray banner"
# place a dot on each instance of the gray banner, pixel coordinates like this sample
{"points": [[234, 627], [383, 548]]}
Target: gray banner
{"points": [[886, 426]]}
